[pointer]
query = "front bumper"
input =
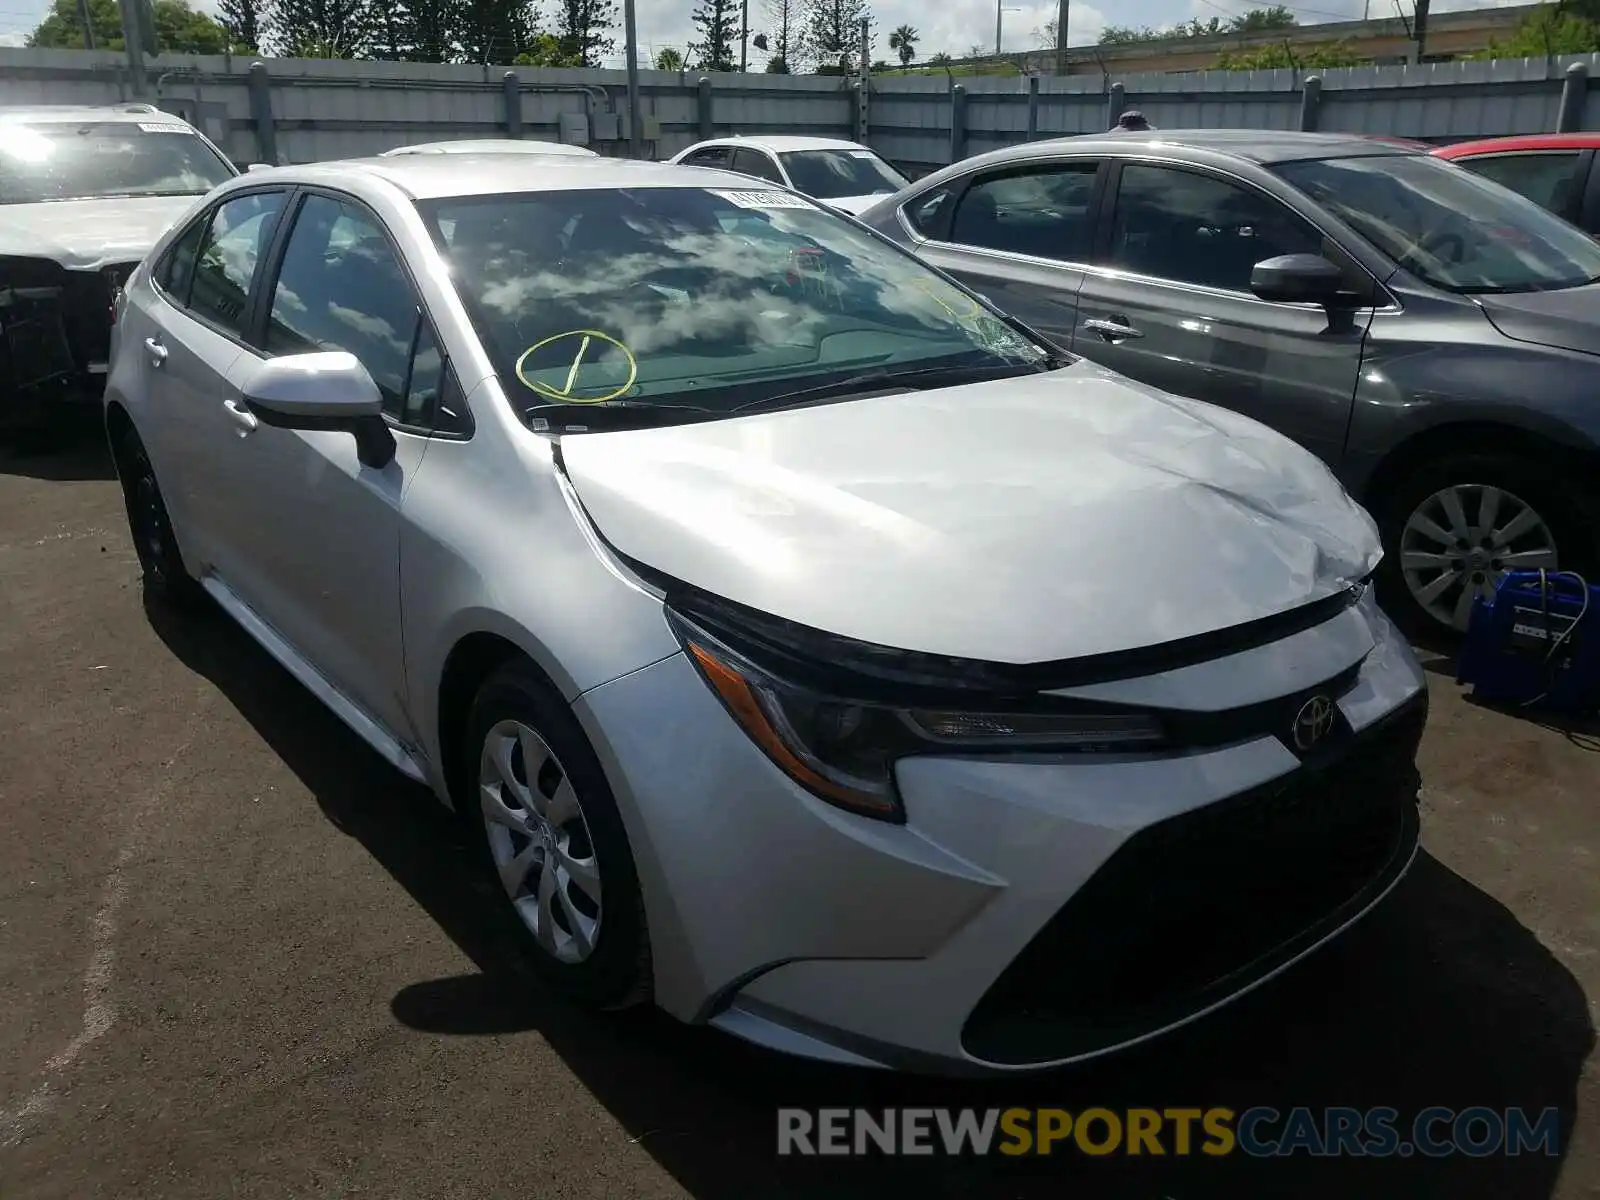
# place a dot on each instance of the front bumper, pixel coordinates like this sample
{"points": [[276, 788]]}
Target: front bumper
{"points": [[55, 334], [1031, 912]]}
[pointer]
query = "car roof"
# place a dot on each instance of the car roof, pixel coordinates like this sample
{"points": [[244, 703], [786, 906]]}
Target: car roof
{"points": [[491, 146], [781, 143], [1531, 141], [44, 114], [437, 176], [1263, 146]]}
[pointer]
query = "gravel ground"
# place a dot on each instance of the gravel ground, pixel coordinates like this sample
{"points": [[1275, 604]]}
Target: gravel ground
{"points": [[239, 957]]}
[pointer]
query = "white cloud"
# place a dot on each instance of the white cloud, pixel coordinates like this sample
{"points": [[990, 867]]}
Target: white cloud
{"points": [[14, 38]]}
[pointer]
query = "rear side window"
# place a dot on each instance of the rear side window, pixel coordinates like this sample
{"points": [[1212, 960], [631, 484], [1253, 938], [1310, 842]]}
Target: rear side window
{"points": [[754, 162], [229, 257], [176, 269], [1043, 212], [713, 156], [1547, 179]]}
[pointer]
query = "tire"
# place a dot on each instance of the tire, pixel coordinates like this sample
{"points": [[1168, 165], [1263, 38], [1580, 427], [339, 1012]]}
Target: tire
{"points": [[1548, 513], [582, 931], [165, 577]]}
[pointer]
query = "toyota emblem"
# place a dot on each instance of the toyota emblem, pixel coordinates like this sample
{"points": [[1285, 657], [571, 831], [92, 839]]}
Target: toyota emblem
{"points": [[1313, 722]]}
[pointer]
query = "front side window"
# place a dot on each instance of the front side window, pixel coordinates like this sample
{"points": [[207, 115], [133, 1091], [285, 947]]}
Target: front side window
{"points": [[757, 163], [601, 307], [62, 160], [341, 288], [1545, 178], [1198, 229], [832, 174], [1042, 211], [1448, 227], [229, 257]]}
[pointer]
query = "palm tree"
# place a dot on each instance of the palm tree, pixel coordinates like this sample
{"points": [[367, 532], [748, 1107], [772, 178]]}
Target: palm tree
{"points": [[904, 41], [669, 59]]}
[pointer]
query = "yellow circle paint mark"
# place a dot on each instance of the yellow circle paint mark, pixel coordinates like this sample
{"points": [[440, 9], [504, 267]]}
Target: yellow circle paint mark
{"points": [[564, 393], [972, 311]]}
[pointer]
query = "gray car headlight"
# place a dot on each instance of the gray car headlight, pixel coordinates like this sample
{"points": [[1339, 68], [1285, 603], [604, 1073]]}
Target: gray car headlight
{"points": [[843, 750]]}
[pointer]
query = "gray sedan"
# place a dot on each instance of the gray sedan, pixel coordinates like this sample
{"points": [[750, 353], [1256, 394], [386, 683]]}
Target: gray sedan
{"points": [[1431, 335]]}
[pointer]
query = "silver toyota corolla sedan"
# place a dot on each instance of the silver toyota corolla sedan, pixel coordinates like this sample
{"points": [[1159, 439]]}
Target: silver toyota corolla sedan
{"points": [[807, 647]]}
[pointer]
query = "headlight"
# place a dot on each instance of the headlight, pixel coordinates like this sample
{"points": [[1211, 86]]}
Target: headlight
{"points": [[844, 749]]}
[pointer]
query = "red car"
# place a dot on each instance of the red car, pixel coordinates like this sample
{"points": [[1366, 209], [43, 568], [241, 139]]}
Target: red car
{"points": [[1552, 169]]}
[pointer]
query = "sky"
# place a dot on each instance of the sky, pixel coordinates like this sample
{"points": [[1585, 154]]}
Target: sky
{"points": [[954, 26]]}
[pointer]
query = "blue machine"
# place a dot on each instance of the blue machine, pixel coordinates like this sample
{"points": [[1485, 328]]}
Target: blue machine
{"points": [[1536, 643]]}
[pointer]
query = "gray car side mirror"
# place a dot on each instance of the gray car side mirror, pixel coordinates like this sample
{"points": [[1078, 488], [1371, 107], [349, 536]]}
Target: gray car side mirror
{"points": [[326, 389], [1297, 279]]}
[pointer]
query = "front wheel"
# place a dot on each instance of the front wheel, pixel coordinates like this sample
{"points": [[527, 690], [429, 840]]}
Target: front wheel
{"points": [[165, 576], [548, 830], [1455, 527]]}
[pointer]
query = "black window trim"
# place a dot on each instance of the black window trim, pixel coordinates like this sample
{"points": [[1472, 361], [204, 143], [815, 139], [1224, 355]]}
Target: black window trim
{"points": [[239, 337], [1581, 176], [259, 312], [1382, 300]]}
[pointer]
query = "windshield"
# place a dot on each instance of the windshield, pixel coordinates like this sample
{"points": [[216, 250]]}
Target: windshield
{"points": [[69, 161], [696, 302], [1450, 227], [830, 174]]}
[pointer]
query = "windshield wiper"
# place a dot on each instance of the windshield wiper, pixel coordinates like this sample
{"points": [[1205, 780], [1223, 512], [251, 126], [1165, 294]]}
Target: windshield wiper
{"points": [[921, 377], [573, 413]]}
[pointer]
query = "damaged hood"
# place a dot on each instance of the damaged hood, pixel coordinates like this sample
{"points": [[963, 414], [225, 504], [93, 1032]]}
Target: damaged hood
{"points": [[1023, 520], [85, 235]]}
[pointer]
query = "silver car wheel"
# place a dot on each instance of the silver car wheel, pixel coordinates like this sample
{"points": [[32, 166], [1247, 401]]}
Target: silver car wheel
{"points": [[1461, 541], [539, 841]]}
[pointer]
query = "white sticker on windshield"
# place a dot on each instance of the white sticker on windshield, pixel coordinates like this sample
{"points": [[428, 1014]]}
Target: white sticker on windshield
{"points": [[163, 127], [763, 199]]}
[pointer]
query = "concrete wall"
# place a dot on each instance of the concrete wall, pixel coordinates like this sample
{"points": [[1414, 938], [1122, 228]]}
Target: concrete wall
{"points": [[295, 110]]}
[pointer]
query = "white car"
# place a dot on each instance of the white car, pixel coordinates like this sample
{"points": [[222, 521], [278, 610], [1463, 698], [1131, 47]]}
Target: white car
{"points": [[805, 645], [85, 191], [491, 146], [843, 175]]}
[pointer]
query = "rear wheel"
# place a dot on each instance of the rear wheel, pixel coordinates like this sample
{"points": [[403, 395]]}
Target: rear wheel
{"points": [[165, 576], [1454, 528], [549, 833]]}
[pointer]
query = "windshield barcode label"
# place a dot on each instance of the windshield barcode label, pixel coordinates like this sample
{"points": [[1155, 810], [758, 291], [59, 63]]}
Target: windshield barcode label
{"points": [[762, 199]]}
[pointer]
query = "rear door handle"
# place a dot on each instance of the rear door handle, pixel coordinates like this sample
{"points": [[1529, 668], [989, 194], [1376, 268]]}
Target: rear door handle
{"points": [[158, 352], [241, 416], [1112, 330]]}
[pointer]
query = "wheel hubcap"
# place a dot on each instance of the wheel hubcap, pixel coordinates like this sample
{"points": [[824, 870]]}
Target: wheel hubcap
{"points": [[539, 841], [1461, 541], [150, 522]]}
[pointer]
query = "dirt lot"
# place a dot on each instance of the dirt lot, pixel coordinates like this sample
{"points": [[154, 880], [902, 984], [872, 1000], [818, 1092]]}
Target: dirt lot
{"points": [[238, 957]]}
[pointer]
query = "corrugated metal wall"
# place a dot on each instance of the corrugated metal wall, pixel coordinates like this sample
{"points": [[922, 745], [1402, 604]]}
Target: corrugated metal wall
{"points": [[328, 109]]}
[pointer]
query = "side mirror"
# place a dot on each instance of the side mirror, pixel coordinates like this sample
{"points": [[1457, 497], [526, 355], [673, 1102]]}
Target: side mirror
{"points": [[326, 390], [1297, 279]]}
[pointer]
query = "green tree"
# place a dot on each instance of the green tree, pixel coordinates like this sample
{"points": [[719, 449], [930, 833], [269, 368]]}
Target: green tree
{"points": [[1263, 20], [584, 29], [321, 28], [1282, 54], [833, 32], [669, 59], [786, 42], [718, 23], [1549, 30], [903, 41], [546, 50], [179, 28], [245, 21]]}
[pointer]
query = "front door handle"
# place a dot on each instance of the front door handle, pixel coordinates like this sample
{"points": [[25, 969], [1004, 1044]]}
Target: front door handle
{"points": [[158, 352], [1113, 329], [241, 416]]}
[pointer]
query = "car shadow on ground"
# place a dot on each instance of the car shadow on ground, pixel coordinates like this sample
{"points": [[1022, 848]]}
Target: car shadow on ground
{"points": [[73, 447], [1440, 998]]}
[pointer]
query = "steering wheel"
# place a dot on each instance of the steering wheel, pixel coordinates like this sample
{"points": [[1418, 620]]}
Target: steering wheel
{"points": [[1432, 244]]}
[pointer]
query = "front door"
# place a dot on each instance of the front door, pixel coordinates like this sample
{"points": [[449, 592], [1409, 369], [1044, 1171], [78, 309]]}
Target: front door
{"points": [[1019, 236], [1170, 305], [322, 529]]}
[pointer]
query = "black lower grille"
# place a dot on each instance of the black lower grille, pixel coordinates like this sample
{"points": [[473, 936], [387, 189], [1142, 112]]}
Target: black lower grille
{"points": [[55, 324], [1197, 906]]}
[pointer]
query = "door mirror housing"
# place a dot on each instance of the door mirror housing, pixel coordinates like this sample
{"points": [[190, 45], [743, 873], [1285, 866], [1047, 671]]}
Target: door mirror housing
{"points": [[1297, 279], [326, 390]]}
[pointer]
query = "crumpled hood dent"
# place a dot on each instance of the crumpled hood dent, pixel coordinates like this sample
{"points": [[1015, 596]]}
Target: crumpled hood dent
{"points": [[1027, 520], [85, 235]]}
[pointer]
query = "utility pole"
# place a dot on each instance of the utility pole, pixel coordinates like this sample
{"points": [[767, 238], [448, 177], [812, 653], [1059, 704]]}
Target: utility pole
{"points": [[135, 45], [630, 35], [997, 19], [88, 25], [1420, 28], [744, 36], [1061, 38]]}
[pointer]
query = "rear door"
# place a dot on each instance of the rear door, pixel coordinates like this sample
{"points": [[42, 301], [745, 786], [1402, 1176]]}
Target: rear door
{"points": [[1169, 303], [198, 300], [1020, 235], [1554, 179]]}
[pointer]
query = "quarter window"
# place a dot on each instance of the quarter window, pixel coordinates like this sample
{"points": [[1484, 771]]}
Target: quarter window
{"points": [[713, 156], [1043, 212], [433, 398], [229, 256], [177, 267], [925, 212], [341, 288], [1546, 179], [1197, 229]]}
